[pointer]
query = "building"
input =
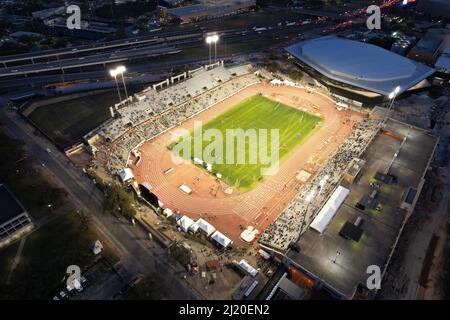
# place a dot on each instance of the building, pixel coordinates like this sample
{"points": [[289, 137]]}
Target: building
{"points": [[89, 29], [337, 255], [50, 12], [174, 3], [442, 67], [426, 50], [14, 219], [356, 70], [402, 43], [210, 10], [435, 8], [439, 34]]}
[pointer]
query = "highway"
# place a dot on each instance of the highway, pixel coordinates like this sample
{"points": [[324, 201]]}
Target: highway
{"points": [[99, 59], [180, 42]]}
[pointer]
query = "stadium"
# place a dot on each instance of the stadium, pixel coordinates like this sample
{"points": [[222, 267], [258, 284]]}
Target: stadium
{"points": [[358, 71], [346, 183], [311, 129]]}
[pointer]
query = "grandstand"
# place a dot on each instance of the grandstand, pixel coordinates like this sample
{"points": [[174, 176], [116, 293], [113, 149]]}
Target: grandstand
{"points": [[161, 110], [295, 219]]}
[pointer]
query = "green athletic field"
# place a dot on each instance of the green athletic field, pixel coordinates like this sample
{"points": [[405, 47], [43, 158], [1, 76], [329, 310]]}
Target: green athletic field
{"points": [[256, 112]]}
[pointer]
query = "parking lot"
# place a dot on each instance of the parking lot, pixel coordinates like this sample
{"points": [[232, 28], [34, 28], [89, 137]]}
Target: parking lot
{"points": [[342, 263]]}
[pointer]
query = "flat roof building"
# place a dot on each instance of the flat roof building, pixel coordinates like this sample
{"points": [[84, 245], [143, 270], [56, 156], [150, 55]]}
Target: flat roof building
{"points": [[338, 258], [209, 10], [14, 219], [358, 70], [442, 65]]}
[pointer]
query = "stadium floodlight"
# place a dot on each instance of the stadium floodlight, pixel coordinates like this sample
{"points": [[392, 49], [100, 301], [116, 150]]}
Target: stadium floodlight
{"points": [[121, 70], [392, 97], [114, 73], [209, 40]]}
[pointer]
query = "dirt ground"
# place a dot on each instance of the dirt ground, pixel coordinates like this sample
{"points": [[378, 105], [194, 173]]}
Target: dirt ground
{"points": [[232, 213]]}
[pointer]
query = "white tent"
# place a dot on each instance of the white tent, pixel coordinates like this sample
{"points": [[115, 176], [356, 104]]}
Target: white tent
{"points": [[126, 174], [194, 227], [167, 212], [248, 268], [276, 82], [204, 226], [185, 222], [221, 239], [330, 208]]}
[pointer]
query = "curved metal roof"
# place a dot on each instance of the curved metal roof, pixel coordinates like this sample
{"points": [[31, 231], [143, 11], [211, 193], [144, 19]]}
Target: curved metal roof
{"points": [[360, 64]]}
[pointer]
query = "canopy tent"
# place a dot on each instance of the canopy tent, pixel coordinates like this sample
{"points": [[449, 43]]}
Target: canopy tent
{"points": [[221, 239], [204, 226], [330, 208], [185, 222], [248, 268], [167, 212], [276, 82], [126, 174]]}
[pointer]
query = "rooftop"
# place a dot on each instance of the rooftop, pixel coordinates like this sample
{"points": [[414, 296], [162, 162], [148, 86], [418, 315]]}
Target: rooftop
{"points": [[443, 63], [10, 207], [360, 64], [342, 263]]}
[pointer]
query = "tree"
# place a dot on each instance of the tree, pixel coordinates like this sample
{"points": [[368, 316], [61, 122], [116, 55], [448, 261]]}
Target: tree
{"points": [[117, 200]]}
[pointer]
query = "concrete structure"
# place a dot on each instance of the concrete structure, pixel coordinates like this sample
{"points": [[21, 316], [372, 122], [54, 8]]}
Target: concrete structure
{"points": [[339, 264], [14, 219], [357, 70]]}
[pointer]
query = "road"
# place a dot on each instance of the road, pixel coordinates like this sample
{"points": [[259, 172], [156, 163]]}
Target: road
{"points": [[164, 47], [138, 254]]}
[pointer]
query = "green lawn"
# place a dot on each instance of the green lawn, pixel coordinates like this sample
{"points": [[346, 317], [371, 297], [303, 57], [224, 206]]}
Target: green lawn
{"points": [[256, 112], [66, 122]]}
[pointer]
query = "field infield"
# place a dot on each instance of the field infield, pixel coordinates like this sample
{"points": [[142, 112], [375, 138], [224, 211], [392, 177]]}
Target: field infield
{"points": [[229, 208], [253, 116]]}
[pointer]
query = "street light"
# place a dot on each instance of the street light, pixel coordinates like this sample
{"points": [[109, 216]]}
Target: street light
{"points": [[392, 97], [121, 70], [212, 39], [114, 73]]}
